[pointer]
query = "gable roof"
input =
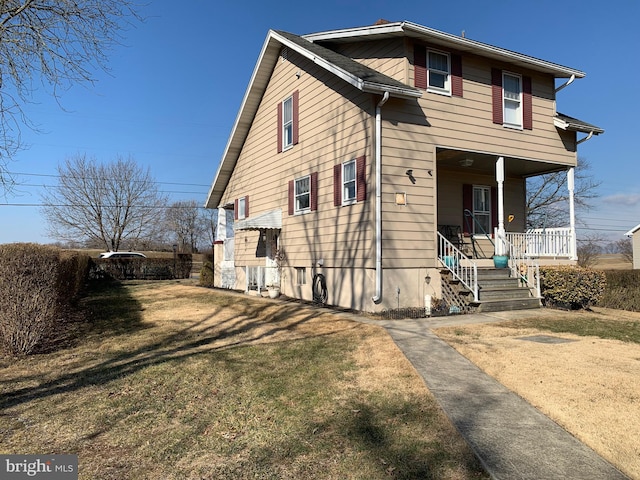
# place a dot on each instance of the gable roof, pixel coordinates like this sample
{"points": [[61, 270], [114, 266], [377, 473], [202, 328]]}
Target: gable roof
{"points": [[633, 230], [436, 37], [360, 76]]}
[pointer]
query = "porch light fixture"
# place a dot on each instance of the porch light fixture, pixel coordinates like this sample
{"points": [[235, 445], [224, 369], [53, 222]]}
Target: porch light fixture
{"points": [[466, 162]]}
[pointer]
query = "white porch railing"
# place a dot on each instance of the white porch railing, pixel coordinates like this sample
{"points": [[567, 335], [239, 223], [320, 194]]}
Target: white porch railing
{"points": [[259, 277], [544, 242], [524, 268], [460, 266]]}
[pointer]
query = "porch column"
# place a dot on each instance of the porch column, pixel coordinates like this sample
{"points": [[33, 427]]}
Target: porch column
{"points": [[572, 213], [221, 225], [500, 247]]}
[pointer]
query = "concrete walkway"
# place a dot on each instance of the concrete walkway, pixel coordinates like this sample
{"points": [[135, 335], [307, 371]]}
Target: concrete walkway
{"points": [[511, 438]]}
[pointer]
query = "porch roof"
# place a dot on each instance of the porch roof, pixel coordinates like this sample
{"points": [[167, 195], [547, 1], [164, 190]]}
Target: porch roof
{"points": [[263, 221], [565, 122]]}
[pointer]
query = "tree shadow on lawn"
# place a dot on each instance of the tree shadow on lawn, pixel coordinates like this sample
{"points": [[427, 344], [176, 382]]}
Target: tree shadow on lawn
{"points": [[115, 312]]}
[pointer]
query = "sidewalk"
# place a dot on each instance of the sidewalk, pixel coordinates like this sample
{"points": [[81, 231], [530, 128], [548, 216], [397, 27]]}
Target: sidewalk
{"points": [[511, 438]]}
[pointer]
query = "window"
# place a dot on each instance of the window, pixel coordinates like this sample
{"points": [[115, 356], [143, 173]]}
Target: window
{"points": [[302, 194], [512, 100], [438, 72], [287, 125], [288, 122], [241, 208], [301, 275], [482, 210], [349, 182]]}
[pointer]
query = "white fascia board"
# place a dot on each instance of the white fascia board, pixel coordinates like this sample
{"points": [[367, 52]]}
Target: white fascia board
{"points": [[632, 231], [357, 82], [463, 44], [242, 113]]}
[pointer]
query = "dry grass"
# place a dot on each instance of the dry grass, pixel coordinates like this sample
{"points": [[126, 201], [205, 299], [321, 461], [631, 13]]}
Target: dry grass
{"points": [[588, 385], [175, 381]]}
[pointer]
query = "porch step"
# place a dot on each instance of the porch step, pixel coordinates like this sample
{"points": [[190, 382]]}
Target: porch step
{"points": [[498, 291], [507, 305]]}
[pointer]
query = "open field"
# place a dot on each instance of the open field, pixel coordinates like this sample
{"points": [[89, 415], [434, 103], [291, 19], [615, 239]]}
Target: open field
{"points": [[612, 261], [173, 381], [588, 383]]}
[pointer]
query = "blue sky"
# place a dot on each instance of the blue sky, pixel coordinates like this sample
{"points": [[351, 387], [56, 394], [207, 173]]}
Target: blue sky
{"points": [[174, 89]]}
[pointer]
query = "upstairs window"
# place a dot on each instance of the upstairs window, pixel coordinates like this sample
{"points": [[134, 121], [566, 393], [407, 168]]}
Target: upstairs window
{"points": [[512, 100], [288, 122], [438, 72], [303, 194], [349, 182], [241, 208]]}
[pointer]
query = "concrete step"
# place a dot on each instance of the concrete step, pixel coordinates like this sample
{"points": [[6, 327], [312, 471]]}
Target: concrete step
{"points": [[506, 305], [499, 282], [503, 293]]}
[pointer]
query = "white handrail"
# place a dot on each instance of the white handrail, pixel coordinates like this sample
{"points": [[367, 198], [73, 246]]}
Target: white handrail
{"points": [[523, 267], [461, 267]]}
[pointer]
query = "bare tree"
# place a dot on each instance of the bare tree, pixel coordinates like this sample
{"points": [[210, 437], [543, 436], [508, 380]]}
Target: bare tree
{"points": [[57, 43], [548, 196], [108, 203], [183, 223], [625, 247], [209, 221], [588, 250]]}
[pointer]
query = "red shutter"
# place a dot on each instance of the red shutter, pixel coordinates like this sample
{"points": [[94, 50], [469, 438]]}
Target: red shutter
{"points": [[527, 104], [496, 95], [291, 195], [246, 206], [467, 204], [235, 209], [456, 75], [420, 66], [314, 191], [494, 209], [279, 127], [337, 185], [296, 118], [361, 179]]}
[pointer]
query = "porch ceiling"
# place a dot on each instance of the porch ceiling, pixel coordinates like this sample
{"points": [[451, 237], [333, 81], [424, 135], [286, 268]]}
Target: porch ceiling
{"points": [[485, 164]]}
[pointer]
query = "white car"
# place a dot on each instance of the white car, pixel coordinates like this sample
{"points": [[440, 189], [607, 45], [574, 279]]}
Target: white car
{"points": [[122, 255]]}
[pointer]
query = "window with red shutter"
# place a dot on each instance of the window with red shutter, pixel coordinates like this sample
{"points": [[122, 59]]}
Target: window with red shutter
{"points": [[288, 118]]}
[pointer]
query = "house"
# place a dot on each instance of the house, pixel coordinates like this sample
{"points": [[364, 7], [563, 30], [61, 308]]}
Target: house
{"points": [[634, 234], [383, 166]]}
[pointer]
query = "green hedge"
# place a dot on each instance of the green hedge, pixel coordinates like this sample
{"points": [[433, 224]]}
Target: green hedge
{"points": [[623, 290], [206, 274], [38, 285], [571, 287]]}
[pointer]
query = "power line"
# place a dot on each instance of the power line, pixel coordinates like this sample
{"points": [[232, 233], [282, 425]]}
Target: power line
{"points": [[58, 176]]}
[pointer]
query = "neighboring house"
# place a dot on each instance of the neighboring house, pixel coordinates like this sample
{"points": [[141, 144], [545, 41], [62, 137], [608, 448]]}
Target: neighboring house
{"points": [[634, 233], [370, 160]]}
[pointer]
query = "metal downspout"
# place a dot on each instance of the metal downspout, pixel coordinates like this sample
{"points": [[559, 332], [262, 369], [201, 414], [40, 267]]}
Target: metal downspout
{"points": [[378, 295]]}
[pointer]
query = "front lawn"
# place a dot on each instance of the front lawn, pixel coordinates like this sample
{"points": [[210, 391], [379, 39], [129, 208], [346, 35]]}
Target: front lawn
{"points": [[174, 381]]}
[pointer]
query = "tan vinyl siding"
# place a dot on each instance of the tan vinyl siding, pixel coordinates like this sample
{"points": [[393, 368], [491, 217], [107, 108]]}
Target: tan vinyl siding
{"points": [[387, 57], [335, 126]]}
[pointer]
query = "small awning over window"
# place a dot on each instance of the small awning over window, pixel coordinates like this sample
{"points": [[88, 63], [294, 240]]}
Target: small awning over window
{"points": [[565, 122], [267, 220]]}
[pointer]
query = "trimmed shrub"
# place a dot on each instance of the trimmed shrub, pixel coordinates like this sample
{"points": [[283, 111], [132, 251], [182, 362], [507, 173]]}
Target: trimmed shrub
{"points": [[622, 291], [206, 274], [132, 268], [37, 285], [571, 287]]}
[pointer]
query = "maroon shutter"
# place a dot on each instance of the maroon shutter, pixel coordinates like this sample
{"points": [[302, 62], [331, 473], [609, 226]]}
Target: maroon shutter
{"points": [[246, 206], [314, 191], [235, 209], [456, 75], [295, 108], [337, 185], [279, 127], [361, 179], [494, 209], [467, 204], [527, 104], [291, 195], [420, 66], [496, 95]]}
